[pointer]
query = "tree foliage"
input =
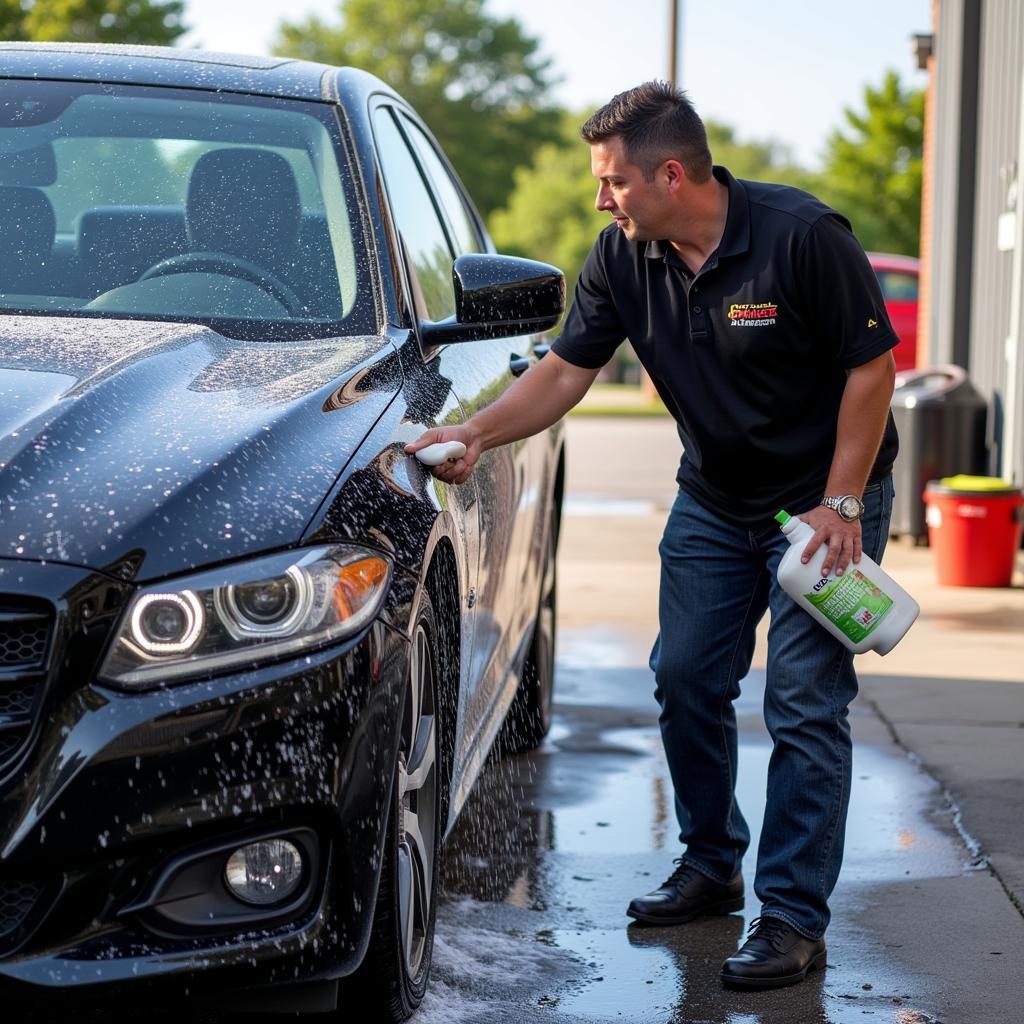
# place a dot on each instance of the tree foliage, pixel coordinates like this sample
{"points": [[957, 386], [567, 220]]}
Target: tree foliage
{"points": [[873, 169], [757, 160], [550, 214], [12, 18], [479, 82], [92, 21]]}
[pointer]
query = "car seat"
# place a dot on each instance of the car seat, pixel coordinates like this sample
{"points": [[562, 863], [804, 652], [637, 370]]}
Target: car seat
{"points": [[28, 228], [245, 202]]}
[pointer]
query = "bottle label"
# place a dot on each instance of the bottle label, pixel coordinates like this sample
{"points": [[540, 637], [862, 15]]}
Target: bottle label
{"points": [[852, 603]]}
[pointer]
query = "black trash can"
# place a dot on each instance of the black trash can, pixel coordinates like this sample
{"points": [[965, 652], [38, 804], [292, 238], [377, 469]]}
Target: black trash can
{"points": [[940, 417]]}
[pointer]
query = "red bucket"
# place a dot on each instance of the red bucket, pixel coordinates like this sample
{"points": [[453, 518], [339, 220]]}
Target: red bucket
{"points": [[974, 528]]}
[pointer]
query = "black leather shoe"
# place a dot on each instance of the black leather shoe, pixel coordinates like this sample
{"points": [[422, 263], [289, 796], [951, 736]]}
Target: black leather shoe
{"points": [[687, 894], [774, 956]]}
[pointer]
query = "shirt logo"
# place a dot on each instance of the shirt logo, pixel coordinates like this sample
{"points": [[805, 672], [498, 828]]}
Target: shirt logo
{"points": [[752, 314], [872, 323]]}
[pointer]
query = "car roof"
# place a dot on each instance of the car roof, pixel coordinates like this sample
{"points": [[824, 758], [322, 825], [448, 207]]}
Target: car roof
{"points": [[183, 68], [893, 261]]}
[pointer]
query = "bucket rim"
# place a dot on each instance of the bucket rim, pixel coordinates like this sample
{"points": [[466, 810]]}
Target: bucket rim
{"points": [[942, 489]]}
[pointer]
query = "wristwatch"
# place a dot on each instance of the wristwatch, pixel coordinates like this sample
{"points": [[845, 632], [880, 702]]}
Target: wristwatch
{"points": [[849, 506]]}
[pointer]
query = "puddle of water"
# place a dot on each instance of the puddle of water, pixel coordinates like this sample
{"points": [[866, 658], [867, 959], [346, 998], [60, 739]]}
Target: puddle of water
{"points": [[631, 813], [624, 981], [633, 688], [624, 804], [600, 667]]}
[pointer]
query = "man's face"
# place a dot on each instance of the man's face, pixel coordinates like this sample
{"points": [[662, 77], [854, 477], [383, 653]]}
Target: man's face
{"points": [[639, 207]]}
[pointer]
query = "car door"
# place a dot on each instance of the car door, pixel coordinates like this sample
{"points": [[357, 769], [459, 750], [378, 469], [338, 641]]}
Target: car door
{"points": [[479, 371], [519, 499], [428, 258]]}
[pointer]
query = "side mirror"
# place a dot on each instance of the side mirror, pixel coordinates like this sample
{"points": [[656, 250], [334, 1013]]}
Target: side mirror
{"points": [[498, 297]]}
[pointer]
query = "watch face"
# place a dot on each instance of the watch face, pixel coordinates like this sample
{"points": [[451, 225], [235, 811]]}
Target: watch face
{"points": [[850, 508]]}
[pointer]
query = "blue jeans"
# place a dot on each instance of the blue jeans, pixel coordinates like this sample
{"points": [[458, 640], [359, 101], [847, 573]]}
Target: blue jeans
{"points": [[717, 581]]}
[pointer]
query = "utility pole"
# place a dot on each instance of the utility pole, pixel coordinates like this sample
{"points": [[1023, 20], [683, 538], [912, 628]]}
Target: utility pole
{"points": [[646, 384], [673, 40]]}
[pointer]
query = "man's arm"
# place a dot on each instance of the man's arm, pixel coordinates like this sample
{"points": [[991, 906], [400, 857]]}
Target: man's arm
{"points": [[862, 417], [540, 397]]}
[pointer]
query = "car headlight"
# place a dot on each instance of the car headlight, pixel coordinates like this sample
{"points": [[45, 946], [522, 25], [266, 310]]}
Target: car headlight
{"points": [[244, 614]]}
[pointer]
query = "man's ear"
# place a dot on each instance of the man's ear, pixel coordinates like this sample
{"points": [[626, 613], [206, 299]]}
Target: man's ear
{"points": [[675, 175]]}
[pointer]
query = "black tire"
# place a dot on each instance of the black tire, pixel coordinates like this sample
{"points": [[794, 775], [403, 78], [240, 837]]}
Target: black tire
{"points": [[394, 976], [529, 718]]}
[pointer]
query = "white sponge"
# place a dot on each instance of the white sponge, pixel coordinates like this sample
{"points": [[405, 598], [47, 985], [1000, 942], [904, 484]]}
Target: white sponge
{"points": [[443, 451]]}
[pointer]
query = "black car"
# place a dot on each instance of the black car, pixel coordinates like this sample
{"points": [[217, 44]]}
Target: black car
{"points": [[252, 655]]}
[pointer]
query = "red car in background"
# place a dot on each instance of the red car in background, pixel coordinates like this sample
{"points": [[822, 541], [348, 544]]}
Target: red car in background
{"points": [[897, 276]]}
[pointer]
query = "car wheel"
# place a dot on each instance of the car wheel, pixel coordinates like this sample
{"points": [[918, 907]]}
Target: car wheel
{"points": [[398, 962], [529, 718]]}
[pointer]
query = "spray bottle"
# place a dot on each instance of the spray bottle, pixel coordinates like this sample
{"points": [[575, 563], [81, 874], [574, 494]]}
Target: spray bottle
{"points": [[865, 608]]}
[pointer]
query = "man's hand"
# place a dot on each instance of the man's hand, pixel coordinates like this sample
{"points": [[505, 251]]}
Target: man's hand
{"points": [[843, 539], [454, 471]]}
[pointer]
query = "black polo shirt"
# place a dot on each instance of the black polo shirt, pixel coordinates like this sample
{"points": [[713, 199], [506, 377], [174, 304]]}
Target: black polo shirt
{"points": [[750, 354]]}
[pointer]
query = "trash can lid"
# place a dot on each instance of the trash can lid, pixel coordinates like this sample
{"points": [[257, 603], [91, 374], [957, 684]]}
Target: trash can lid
{"points": [[964, 483]]}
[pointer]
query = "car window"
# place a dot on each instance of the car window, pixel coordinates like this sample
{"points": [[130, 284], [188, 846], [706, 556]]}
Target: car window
{"points": [[897, 286], [416, 219], [147, 202], [90, 173], [464, 233]]}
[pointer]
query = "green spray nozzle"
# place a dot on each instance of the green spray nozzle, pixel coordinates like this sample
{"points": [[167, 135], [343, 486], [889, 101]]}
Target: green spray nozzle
{"points": [[782, 517]]}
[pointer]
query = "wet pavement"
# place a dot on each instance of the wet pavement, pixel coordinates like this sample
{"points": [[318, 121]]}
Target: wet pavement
{"points": [[553, 844]]}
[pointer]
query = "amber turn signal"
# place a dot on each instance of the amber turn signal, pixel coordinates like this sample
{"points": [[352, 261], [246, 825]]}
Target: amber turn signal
{"points": [[358, 582]]}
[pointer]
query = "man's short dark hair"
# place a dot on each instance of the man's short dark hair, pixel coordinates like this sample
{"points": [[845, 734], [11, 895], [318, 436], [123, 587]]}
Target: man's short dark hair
{"points": [[656, 122]]}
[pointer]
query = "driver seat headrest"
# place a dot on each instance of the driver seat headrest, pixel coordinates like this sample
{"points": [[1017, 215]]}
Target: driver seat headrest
{"points": [[244, 202], [27, 225]]}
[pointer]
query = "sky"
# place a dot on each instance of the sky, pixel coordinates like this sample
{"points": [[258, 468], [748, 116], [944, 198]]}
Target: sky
{"points": [[772, 69]]}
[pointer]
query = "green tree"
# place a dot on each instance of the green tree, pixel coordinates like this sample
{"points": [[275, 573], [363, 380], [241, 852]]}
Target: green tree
{"points": [[12, 18], [873, 170], [550, 214], [92, 21], [478, 81], [759, 160]]}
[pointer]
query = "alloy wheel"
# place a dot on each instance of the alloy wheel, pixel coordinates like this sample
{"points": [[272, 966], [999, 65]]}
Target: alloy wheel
{"points": [[418, 803]]}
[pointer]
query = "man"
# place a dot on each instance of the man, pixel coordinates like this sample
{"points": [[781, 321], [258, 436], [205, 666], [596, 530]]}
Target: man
{"points": [[755, 311]]}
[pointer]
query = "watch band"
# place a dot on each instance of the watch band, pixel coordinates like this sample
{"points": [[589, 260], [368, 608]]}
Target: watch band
{"points": [[849, 506]]}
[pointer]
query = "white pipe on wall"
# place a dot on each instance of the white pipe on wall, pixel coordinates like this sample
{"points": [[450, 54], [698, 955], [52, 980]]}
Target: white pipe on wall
{"points": [[1012, 447]]}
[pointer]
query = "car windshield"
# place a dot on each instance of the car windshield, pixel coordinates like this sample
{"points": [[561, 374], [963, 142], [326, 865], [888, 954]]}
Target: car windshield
{"points": [[171, 204]]}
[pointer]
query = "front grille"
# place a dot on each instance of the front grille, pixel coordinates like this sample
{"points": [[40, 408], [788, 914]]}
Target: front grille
{"points": [[25, 633], [9, 743], [17, 898], [17, 699], [23, 638]]}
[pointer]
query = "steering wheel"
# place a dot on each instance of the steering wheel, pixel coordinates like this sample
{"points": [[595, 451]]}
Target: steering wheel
{"points": [[232, 266]]}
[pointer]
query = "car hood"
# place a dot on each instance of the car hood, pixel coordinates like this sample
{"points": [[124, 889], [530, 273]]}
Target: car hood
{"points": [[144, 449]]}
